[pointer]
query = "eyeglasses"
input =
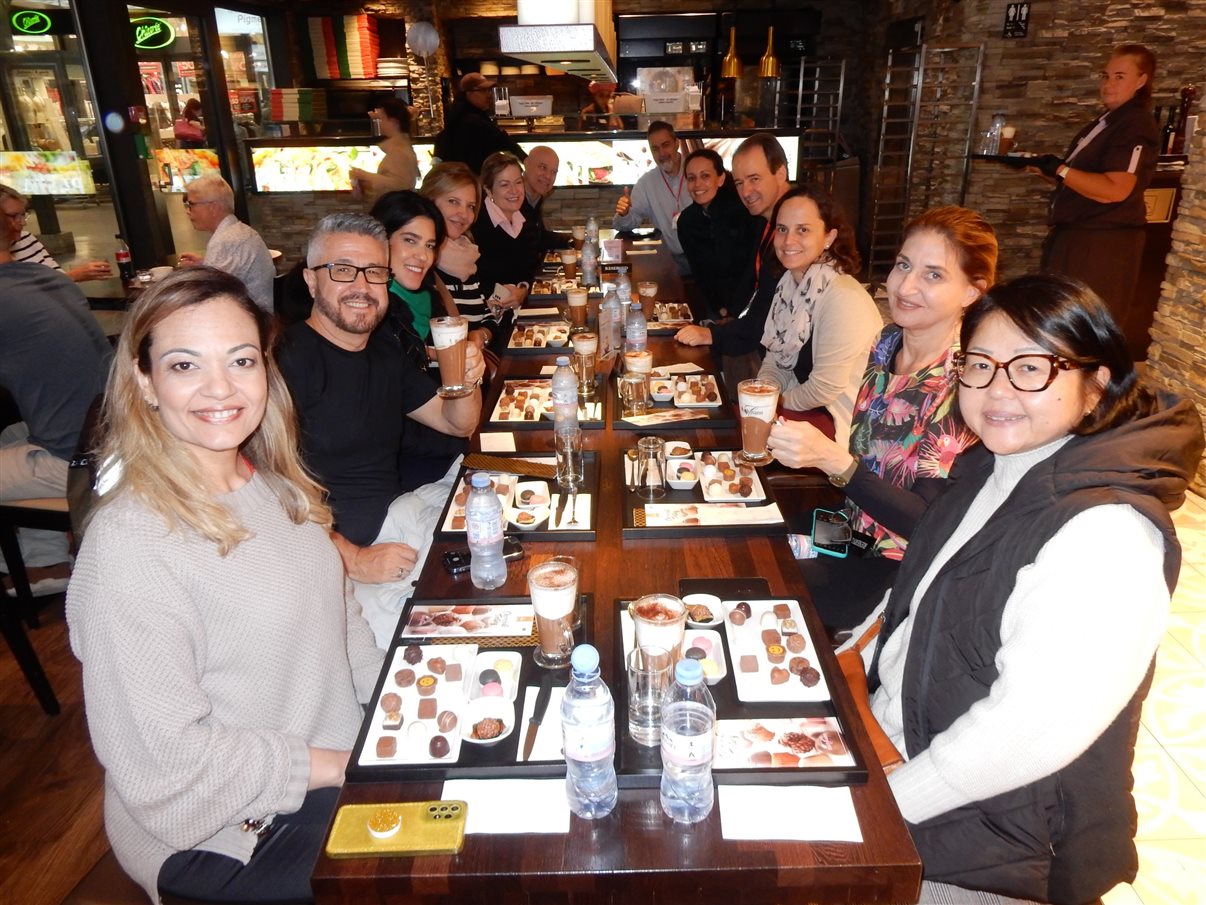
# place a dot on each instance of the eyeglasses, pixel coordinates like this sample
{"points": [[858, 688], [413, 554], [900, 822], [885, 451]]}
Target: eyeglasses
{"points": [[191, 204], [19, 217], [347, 273], [1030, 373]]}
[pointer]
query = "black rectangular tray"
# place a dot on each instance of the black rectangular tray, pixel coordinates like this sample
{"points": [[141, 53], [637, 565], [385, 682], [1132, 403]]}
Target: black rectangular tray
{"points": [[590, 484], [474, 761], [632, 502], [541, 423], [718, 417], [640, 767]]}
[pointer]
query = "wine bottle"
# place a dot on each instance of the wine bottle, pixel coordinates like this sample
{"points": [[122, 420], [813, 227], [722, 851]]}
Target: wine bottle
{"points": [[1169, 133]]}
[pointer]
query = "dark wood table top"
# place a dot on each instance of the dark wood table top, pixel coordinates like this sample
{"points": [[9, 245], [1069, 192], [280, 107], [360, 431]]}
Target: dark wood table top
{"points": [[637, 854]]}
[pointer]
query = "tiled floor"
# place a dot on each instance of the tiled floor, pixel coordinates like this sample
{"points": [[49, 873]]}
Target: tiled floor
{"points": [[1170, 762]]}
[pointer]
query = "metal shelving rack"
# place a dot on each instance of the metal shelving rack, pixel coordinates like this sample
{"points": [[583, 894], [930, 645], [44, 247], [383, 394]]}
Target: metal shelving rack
{"points": [[810, 99], [928, 115]]}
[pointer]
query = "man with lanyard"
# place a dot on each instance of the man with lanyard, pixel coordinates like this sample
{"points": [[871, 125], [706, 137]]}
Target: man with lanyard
{"points": [[761, 179], [660, 195]]}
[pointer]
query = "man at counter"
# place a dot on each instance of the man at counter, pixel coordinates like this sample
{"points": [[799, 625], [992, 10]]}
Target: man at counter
{"points": [[54, 359], [761, 179], [352, 387], [234, 247], [660, 195], [539, 175], [469, 135]]}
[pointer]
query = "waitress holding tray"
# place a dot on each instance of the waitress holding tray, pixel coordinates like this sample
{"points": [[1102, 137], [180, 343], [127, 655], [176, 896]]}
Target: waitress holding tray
{"points": [[1097, 214]]}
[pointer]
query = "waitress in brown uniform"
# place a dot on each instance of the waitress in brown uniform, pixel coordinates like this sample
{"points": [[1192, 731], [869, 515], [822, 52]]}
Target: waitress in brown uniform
{"points": [[1097, 213]]}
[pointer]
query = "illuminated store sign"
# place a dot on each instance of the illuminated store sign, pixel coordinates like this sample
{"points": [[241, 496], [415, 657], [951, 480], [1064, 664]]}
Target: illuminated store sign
{"points": [[31, 22], [151, 33]]}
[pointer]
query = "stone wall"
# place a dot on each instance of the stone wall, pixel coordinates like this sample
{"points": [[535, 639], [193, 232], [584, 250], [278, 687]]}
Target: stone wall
{"points": [[1177, 356]]}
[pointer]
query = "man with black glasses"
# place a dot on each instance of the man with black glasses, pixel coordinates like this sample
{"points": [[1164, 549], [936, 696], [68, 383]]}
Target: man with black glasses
{"points": [[353, 387]]}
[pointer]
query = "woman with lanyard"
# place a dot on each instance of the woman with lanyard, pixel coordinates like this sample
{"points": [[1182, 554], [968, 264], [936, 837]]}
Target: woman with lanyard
{"points": [[660, 195], [1097, 214]]}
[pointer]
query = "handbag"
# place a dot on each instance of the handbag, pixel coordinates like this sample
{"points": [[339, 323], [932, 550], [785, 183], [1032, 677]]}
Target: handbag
{"points": [[850, 661]]}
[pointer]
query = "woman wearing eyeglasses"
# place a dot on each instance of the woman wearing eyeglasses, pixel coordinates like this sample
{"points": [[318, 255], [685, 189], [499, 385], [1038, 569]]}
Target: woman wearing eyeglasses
{"points": [[1018, 640]]}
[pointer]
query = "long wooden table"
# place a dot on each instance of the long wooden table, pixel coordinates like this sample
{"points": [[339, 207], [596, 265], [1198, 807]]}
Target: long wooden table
{"points": [[637, 854]]}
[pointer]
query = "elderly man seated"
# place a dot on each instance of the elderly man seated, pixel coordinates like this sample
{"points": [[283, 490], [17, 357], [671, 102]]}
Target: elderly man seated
{"points": [[234, 246], [353, 388]]}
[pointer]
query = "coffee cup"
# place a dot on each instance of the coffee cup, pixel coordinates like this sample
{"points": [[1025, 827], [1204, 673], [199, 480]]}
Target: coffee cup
{"points": [[569, 263], [553, 587], [449, 335], [576, 297], [659, 620], [757, 400]]}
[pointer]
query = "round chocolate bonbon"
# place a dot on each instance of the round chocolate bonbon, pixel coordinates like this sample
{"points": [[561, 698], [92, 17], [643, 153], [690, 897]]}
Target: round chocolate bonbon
{"points": [[438, 746]]}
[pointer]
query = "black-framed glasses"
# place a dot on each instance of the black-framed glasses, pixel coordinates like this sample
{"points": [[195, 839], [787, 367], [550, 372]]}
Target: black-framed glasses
{"points": [[375, 274], [1030, 373], [19, 217], [191, 204]]}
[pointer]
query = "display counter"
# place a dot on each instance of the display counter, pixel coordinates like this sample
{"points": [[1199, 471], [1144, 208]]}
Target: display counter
{"points": [[321, 164]]}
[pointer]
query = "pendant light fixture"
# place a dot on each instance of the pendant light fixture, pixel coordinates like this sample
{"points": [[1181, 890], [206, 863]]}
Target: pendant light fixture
{"points": [[768, 66], [730, 66]]}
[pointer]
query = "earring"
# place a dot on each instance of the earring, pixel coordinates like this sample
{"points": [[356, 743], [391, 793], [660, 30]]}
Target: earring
{"points": [[154, 407]]}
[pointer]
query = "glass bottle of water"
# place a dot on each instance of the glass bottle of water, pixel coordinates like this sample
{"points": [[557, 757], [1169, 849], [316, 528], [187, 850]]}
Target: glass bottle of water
{"points": [[565, 396], [688, 729], [484, 527], [588, 731]]}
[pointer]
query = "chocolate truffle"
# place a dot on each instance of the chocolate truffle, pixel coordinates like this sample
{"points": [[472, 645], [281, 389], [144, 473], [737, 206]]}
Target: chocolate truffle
{"points": [[405, 678], [413, 653], [486, 676], [437, 665], [695, 653], [488, 728], [745, 609], [789, 627], [438, 746], [446, 720], [391, 702], [737, 617], [797, 741], [810, 676], [795, 643], [392, 720], [770, 636], [797, 665], [387, 746]]}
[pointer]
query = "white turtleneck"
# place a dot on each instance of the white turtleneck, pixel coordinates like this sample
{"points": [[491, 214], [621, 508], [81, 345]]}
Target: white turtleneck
{"points": [[1077, 635]]}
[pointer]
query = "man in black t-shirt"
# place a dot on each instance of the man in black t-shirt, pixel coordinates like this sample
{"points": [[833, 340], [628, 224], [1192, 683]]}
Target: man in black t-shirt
{"points": [[353, 386]]}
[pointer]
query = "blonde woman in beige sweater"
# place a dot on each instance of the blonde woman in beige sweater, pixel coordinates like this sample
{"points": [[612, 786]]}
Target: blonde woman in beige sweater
{"points": [[223, 662]]}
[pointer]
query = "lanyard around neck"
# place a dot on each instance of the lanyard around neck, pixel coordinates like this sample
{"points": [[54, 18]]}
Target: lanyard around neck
{"points": [[675, 194]]}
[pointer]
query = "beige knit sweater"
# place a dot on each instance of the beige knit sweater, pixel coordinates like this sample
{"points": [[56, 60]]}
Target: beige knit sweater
{"points": [[206, 678]]}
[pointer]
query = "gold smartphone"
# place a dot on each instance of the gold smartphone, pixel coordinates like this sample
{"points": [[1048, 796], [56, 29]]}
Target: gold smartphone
{"points": [[423, 828]]}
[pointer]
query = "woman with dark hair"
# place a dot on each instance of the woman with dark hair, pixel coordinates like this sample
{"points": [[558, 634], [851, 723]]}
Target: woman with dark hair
{"points": [[416, 230], [821, 322], [1018, 640], [1097, 213], [188, 128], [224, 663], [714, 231], [399, 169], [509, 243], [907, 431]]}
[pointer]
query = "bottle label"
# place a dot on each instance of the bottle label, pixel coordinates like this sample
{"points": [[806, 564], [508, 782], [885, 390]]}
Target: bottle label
{"points": [[686, 750], [484, 528], [596, 741]]}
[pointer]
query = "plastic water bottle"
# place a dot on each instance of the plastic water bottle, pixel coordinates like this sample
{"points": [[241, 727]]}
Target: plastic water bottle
{"points": [[588, 733], [611, 324], [590, 263], [688, 731], [484, 527], [565, 396], [623, 283], [592, 230], [992, 138], [636, 328]]}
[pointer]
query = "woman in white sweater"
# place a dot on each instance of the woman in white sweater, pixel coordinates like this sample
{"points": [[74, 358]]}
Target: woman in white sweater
{"points": [[1018, 640], [223, 663], [822, 322]]}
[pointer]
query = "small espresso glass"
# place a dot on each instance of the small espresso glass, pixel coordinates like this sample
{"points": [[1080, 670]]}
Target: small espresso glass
{"points": [[450, 335]]}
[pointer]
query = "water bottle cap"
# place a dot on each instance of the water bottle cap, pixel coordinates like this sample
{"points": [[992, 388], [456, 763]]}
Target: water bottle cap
{"points": [[563, 361], [688, 672], [584, 659], [480, 479]]}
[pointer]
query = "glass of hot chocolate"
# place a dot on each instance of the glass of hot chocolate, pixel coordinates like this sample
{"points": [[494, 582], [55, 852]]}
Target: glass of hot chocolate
{"points": [[553, 587], [659, 620], [757, 399], [449, 336]]}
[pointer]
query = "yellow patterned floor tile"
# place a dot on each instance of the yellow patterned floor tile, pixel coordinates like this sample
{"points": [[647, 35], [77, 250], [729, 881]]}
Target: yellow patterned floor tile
{"points": [[1190, 631], [1171, 872], [1192, 761], [1122, 894], [1170, 806], [1174, 656], [1174, 710], [1190, 595]]}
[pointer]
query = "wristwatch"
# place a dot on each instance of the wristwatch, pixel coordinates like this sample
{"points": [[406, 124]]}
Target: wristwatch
{"points": [[1062, 172], [843, 478]]}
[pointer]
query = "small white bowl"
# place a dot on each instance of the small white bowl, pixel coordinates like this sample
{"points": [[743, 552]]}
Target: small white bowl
{"points": [[681, 483], [679, 449], [712, 602], [661, 390], [556, 339], [487, 708], [532, 494], [528, 519]]}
